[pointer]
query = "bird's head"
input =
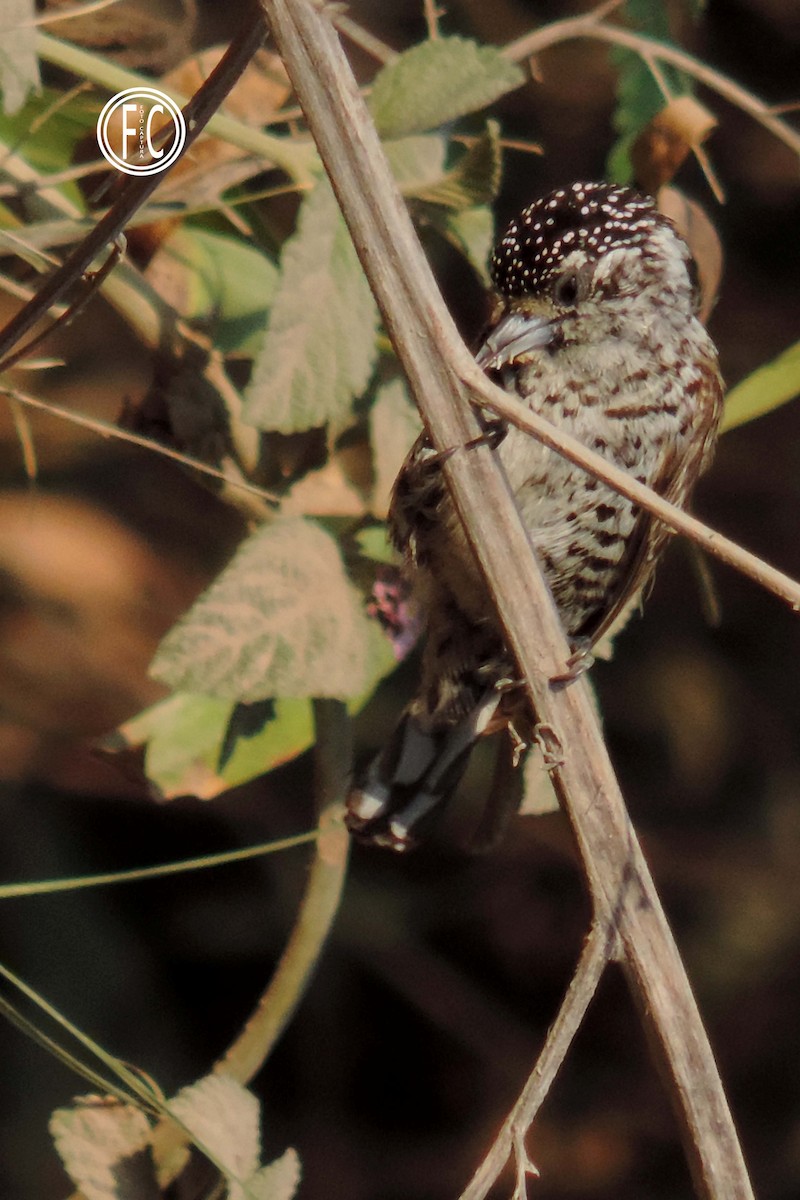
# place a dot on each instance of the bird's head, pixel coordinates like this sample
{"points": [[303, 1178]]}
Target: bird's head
{"points": [[583, 263]]}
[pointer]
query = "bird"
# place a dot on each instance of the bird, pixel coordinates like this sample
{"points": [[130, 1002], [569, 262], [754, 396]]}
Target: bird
{"points": [[593, 326]]}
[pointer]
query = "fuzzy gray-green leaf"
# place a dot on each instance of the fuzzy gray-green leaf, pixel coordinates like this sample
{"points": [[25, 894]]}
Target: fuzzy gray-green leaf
{"points": [[281, 620], [438, 81], [19, 66], [320, 348], [475, 178]]}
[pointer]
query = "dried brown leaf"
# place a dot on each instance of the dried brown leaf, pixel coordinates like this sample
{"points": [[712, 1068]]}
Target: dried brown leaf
{"points": [[666, 141], [696, 227]]}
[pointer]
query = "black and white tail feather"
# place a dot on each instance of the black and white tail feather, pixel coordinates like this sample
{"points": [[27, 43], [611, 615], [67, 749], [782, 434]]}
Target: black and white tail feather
{"points": [[416, 772]]}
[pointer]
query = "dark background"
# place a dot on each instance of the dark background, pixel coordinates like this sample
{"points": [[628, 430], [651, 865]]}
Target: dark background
{"points": [[444, 971]]}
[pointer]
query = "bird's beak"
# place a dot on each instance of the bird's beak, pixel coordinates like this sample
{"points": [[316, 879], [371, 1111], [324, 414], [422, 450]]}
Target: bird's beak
{"points": [[515, 335]]}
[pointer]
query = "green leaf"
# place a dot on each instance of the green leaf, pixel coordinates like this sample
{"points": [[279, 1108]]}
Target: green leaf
{"points": [[373, 543], [100, 1145], [43, 135], [768, 387], [183, 734], [320, 347], [394, 425], [46, 130], [281, 620], [417, 162], [19, 66], [218, 279], [471, 232], [289, 732], [475, 179], [639, 97], [186, 736], [437, 81], [418, 165]]}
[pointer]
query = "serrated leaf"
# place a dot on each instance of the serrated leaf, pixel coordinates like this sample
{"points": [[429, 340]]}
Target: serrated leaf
{"points": [[418, 165], [105, 1150], [278, 1181], [394, 425], [223, 1119], [19, 66], [475, 179], [218, 279], [768, 387], [281, 620], [437, 81], [320, 348]]}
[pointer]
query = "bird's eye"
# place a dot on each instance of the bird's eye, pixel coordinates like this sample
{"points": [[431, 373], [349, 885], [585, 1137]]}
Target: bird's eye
{"points": [[566, 290]]}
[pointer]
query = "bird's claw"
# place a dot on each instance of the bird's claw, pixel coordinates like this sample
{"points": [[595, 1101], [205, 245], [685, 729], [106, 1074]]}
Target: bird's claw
{"points": [[579, 662]]}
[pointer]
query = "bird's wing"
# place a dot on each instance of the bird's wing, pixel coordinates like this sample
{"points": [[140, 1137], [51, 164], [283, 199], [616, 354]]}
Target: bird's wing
{"points": [[675, 482], [416, 497]]}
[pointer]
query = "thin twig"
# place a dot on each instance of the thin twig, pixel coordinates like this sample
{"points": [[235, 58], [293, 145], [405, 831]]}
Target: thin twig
{"points": [[362, 38], [296, 159], [597, 951], [22, 428], [697, 149], [333, 764], [105, 429], [48, 887], [55, 180], [431, 352], [432, 14], [92, 280], [591, 26], [734, 555], [250, 1049]]}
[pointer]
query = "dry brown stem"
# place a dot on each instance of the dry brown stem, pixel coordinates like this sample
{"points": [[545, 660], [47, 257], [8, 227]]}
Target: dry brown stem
{"points": [[516, 413], [592, 26], [625, 901], [105, 429], [511, 1138]]}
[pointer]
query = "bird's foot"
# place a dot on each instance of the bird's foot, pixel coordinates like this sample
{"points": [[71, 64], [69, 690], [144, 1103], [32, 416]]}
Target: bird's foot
{"points": [[579, 662]]}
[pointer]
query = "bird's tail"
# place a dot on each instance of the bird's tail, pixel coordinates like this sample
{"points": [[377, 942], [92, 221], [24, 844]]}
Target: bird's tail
{"points": [[414, 774]]}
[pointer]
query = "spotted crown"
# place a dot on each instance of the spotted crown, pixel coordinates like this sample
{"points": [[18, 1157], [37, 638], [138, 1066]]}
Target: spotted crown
{"points": [[590, 217]]}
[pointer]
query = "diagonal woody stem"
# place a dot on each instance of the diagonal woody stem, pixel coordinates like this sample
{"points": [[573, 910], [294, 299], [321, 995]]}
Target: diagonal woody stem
{"points": [[432, 355], [596, 953], [516, 413]]}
